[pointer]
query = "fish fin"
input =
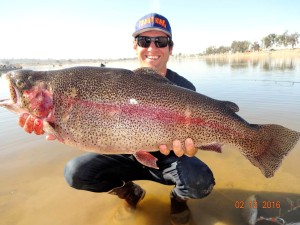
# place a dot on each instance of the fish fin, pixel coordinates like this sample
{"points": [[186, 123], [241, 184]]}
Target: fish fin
{"points": [[281, 141], [146, 159], [52, 134], [50, 137], [231, 105], [151, 75], [216, 147]]}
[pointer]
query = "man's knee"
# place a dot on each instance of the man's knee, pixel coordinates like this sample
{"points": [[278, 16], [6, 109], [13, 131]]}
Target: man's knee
{"points": [[71, 173], [203, 192], [200, 189], [193, 192], [204, 185], [197, 179], [87, 173]]}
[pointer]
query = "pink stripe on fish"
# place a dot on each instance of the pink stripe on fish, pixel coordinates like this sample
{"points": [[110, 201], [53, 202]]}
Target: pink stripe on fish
{"points": [[153, 113]]}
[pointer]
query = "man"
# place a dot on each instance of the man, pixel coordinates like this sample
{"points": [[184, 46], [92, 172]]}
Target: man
{"points": [[114, 173], [192, 178]]}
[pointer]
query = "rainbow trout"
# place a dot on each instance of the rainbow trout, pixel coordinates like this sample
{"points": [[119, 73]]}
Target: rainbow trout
{"points": [[118, 111]]}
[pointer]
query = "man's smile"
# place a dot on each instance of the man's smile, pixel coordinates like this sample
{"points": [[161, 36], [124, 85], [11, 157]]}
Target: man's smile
{"points": [[152, 57]]}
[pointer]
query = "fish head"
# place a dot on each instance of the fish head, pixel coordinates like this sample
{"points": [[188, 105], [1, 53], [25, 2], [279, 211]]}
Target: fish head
{"points": [[29, 92]]}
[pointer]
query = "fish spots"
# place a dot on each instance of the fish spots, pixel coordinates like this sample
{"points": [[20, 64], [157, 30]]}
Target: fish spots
{"points": [[125, 114], [118, 111]]}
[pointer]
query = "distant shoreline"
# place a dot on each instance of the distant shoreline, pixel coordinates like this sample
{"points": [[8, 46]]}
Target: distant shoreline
{"points": [[283, 53]]}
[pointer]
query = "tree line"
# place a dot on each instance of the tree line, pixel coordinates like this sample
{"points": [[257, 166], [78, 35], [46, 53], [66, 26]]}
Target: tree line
{"points": [[268, 42]]}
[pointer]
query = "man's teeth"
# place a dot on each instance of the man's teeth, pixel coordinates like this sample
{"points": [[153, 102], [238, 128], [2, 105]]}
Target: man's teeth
{"points": [[152, 57]]}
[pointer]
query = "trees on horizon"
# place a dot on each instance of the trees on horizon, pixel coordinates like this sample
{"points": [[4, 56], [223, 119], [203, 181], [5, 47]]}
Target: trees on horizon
{"points": [[268, 42]]}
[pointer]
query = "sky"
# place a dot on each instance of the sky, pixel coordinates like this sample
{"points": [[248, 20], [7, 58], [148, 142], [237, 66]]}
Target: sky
{"points": [[102, 29]]}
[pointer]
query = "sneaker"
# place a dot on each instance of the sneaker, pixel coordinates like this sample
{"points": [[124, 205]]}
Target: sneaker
{"points": [[180, 213], [130, 192]]}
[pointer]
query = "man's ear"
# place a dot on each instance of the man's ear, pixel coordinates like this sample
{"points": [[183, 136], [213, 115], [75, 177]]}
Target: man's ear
{"points": [[170, 50], [134, 44]]}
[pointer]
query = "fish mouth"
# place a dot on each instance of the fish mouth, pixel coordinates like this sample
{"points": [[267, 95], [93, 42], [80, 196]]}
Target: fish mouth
{"points": [[4, 101], [14, 96], [13, 93]]}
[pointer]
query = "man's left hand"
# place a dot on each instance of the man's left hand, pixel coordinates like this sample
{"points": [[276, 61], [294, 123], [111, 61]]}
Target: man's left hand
{"points": [[188, 149]]}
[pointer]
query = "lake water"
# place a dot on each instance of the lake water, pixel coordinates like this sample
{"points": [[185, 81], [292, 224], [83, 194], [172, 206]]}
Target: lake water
{"points": [[33, 190]]}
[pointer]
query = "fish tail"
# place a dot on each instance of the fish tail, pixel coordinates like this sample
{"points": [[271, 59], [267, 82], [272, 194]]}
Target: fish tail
{"points": [[276, 142]]}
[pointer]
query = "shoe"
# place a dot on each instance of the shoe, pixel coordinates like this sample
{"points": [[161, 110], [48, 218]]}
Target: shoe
{"points": [[180, 213], [130, 192]]}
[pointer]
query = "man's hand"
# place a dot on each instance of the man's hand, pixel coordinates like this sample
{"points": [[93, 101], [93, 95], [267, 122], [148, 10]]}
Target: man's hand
{"points": [[188, 149], [31, 124]]}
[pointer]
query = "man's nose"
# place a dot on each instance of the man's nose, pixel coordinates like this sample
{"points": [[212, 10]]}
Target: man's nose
{"points": [[152, 45]]}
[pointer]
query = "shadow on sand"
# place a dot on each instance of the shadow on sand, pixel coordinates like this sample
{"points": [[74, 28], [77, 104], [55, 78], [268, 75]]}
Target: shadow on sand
{"points": [[222, 207]]}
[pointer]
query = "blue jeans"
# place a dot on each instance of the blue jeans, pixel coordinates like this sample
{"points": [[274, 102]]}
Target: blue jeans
{"points": [[101, 173]]}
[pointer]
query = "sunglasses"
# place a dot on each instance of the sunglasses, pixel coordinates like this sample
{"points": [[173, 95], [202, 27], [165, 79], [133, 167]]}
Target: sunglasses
{"points": [[160, 42]]}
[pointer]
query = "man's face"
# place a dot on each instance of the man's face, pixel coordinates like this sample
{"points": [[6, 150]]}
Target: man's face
{"points": [[152, 56]]}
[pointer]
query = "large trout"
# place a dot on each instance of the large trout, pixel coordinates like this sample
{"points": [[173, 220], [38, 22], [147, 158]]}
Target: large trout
{"points": [[115, 111]]}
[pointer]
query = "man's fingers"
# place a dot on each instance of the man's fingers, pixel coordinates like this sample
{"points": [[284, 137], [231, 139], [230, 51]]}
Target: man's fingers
{"points": [[164, 149], [177, 148], [22, 119], [190, 149], [38, 127], [31, 124], [28, 126]]}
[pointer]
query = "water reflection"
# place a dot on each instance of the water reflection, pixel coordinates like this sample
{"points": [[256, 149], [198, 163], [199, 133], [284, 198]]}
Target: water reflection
{"points": [[217, 61], [264, 64], [281, 65]]}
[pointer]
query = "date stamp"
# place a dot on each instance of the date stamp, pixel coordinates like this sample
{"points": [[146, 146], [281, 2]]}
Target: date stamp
{"points": [[254, 204]]}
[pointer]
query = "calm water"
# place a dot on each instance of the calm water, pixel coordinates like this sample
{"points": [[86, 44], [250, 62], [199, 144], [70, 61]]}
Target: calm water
{"points": [[33, 190]]}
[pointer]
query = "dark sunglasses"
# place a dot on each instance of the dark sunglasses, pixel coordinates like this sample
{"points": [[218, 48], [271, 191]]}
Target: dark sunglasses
{"points": [[160, 42]]}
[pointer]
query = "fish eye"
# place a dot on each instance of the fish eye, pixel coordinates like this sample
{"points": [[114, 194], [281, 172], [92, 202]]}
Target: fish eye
{"points": [[30, 79], [20, 83]]}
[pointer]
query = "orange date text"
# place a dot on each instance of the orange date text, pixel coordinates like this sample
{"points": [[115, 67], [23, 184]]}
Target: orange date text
{"points": [[240, 204]]}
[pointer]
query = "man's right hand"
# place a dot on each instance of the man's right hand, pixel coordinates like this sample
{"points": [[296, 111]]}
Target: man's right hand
{"points": [[31, 124]]}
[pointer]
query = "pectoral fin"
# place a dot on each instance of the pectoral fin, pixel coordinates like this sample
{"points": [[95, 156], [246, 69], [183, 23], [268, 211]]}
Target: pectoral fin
{"points": [[146, 159], [51, 133]]}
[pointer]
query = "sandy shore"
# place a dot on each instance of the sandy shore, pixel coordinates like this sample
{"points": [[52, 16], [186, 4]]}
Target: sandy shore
{"points": [[33, 190]]}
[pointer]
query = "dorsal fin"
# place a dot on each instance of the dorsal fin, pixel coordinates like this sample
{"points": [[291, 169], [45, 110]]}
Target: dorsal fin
{"points": [[151, 75], [231, 105]]}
